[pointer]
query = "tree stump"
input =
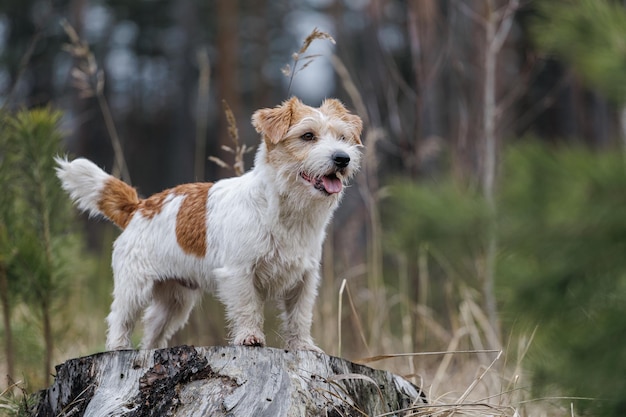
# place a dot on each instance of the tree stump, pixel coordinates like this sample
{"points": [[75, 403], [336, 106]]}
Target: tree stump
{"points": [[223, 381]]}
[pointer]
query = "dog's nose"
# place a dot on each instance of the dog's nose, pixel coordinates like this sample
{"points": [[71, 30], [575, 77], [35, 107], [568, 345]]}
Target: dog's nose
{"points": [[341, 159]]}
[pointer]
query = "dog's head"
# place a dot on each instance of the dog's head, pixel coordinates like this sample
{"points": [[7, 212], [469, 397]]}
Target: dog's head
{"points": [[318, 148]]}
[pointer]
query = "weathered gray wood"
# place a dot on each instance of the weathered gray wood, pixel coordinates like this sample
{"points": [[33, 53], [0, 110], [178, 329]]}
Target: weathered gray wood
{"points": [[223, 381]]}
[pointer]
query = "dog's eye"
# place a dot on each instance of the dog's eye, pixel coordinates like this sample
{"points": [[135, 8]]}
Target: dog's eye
{"points": [[307, 136], [342, 138]]}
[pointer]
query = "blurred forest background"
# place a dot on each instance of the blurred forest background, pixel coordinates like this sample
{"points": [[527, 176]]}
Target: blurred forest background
{"points": [[489, 216]]}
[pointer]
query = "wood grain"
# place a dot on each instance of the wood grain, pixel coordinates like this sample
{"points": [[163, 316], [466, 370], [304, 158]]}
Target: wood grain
{"points": [[223, 381]]}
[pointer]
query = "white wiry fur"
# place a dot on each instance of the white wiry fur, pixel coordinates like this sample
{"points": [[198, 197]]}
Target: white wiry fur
{"points": [[84, 181], [264, 232]]}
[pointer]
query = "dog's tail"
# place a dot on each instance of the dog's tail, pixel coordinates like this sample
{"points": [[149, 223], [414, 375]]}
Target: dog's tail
{"points": [[97, 192]]}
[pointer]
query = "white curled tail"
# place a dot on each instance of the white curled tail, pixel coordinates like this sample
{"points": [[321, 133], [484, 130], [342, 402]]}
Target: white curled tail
{"points": [[97, 192]]}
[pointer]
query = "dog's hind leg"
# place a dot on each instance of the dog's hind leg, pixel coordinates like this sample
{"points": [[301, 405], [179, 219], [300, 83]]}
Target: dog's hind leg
{"points": [[169, 310], [126, 306]]}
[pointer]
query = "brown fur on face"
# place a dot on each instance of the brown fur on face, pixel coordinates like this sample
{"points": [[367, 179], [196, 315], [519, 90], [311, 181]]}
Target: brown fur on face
{"points": [[274, 123], [335, 108]]}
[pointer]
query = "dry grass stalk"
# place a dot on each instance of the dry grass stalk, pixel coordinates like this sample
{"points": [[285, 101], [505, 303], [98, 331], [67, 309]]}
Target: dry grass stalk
{"points": [[88, 79], [291, 70], [14, 399], [337, 391], [377, 358], [357, 319], [329, 396], [351, 88], [238, 150], [23, 65], [340, 315]]}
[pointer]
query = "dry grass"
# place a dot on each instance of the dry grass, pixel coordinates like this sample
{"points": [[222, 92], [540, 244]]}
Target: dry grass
{"points": [[14, 400], [462, 382], [238, 149], [301, 56], [89, 80], [466, 378]]}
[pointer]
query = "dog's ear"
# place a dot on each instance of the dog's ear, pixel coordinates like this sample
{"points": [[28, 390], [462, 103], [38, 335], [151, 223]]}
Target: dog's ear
{"points": [[335, 108], [274, 123]]}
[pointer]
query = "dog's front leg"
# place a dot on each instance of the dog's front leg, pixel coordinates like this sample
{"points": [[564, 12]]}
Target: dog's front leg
{"points": [[298, 313], [244, 306]]}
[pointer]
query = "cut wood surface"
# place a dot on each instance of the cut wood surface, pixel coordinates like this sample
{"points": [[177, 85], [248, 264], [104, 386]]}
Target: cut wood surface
{"points": [[224, 381]]}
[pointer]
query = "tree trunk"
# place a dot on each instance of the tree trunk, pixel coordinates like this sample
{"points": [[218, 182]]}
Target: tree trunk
{"points": [[227, 72], [497, 28], [221, 381]]}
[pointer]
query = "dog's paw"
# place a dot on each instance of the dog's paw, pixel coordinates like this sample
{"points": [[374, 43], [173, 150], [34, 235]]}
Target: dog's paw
{"points": [[250, 340], [122, 344], [253, 340], [303, 345]]}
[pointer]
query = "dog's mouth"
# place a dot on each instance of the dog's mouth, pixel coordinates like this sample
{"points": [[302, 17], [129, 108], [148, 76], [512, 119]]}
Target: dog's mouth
{"points": [[329, 184]]}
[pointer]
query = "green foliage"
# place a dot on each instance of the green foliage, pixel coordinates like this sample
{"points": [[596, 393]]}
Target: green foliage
{"points": [[561, 232], [562, 267], [449, 222], [38, 249], [43, 205], [444, 215], [12, 405], [9, 175], [589, 34]]}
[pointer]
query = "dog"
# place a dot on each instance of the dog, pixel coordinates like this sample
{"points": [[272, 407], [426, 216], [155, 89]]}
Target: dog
{"points": [[245, 239]]}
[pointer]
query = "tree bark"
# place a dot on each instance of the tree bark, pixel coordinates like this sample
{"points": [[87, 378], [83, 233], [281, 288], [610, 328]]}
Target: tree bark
{"points": [[223, 381], [227, 72]]}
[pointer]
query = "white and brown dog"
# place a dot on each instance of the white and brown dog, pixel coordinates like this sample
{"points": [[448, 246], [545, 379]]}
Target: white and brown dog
{"points": [[246, 239]]}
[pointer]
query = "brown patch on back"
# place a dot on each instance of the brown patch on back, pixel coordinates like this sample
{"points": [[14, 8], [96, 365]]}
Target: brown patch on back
{"points": [[153, 205], [191, 220], [118, 202]]}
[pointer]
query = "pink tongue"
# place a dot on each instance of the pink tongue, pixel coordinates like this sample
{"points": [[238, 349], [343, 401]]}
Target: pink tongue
{"points": [[332, 185]]}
